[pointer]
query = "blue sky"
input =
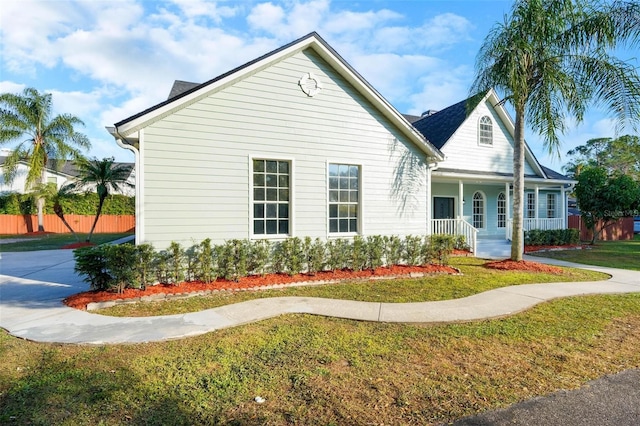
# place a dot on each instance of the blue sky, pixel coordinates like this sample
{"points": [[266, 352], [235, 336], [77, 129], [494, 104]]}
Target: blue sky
{"points": [[104, 61]]}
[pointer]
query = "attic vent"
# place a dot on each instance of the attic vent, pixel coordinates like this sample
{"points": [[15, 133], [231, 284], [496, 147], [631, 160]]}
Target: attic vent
{"points": [[310, 84], [428, 112]]}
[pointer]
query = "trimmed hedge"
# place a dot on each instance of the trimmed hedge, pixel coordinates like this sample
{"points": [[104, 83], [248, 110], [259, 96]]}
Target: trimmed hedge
{"points": [[556, 237], [115, 268], [81, 204]]}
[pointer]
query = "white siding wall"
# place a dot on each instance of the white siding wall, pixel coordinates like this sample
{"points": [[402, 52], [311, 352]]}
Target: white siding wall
{"points": [[463, 151], [18, 183], [197, 169]]}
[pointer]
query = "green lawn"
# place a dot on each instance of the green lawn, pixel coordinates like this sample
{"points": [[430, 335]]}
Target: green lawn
{"points": [[324, 371], [52, 241], [328, 371], [475, 279], [614, 254]]}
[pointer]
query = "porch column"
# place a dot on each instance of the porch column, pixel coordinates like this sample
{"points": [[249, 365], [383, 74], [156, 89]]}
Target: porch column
{"points": [[460, 199], [564, 209], [429, 201], [537, 204], [507, 211]]}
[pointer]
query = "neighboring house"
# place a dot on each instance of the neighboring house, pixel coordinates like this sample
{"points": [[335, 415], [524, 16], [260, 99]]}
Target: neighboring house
{"points": [[297, 143], [59, 174]]}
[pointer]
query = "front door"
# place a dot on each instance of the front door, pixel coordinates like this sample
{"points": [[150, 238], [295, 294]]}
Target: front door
{"points": [[443, 208]]}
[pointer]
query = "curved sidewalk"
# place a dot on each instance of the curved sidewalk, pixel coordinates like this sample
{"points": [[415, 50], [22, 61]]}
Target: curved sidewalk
{"points": [[33, 284]]}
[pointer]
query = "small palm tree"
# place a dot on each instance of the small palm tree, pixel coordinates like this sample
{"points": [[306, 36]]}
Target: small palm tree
{"points": [[551, 59], [50, 192], [26, 119], [104, 175]]}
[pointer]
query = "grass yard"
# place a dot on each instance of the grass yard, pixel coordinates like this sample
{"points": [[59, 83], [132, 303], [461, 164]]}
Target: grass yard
{"points": [[314, 370], [475, 279], [51, 241], [614, 254]]}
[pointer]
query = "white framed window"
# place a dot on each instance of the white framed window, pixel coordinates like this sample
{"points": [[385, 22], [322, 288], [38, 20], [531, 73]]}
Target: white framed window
{"points": [[485, 131], [478, 210], [344, 198], [502, 210], [551, 206], [531, 205], [271, 184]]}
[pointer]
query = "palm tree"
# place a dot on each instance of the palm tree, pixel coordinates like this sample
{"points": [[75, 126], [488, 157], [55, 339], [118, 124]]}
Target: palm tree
{"points": [[50, 192], [26, 119], [104, 175], [551, 59]]}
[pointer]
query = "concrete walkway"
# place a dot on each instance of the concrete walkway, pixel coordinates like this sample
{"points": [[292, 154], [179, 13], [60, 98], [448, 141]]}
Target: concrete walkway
{"points": [[33, 284]]}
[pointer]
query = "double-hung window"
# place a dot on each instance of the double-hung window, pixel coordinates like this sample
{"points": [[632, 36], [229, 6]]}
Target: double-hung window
{"points": [[531, 205], [502, 210], [271, 197], [551, 206], [485, 131], [344, 198]]}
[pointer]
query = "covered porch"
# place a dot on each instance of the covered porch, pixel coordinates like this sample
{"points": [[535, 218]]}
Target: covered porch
{"points": [[480, 207]]}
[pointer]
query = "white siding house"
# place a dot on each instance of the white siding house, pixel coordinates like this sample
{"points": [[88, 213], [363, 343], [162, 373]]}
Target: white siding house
{"points": [[297, 143]]}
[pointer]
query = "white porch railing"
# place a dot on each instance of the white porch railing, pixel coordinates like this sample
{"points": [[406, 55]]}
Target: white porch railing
{"points": [[539, 223], [456, 227]]}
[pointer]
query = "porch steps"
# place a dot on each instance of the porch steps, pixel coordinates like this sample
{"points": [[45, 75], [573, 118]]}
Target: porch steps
{"points": [[492, 248]]}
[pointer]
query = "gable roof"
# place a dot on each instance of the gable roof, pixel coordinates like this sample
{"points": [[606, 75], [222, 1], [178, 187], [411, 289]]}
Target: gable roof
{"points": [[439, 127], [129, 127]]}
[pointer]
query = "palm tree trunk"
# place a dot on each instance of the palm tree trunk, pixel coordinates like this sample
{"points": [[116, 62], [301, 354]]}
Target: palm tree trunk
{"points": [[57, 208], [517, 237], [95, 221], [40, 203]]}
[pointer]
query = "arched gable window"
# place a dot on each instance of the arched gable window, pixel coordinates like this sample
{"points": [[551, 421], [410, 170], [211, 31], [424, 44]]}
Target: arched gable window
{"points": [[502, 210], [485, 131], [478, 210]]}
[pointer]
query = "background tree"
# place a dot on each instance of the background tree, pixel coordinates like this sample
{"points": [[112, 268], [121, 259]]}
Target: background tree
{"points": [[104, 175], [50, 192], [26, 119], [551, 59], [621, 155], [604, 199]]}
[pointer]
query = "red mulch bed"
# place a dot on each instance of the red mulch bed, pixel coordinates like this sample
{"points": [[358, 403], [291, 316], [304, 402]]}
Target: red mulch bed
{"points": [[80, 300], [532, 249], [77, 245], [523, 265]]}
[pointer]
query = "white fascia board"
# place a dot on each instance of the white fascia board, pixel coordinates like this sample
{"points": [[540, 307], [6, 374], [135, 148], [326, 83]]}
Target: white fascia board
{"points": [[127, 129], [491, 178], [140, 122]]}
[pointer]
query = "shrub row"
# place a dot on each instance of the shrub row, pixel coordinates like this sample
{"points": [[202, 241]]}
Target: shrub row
{"points": [[81, 204], [556, 237], [116, 267]]}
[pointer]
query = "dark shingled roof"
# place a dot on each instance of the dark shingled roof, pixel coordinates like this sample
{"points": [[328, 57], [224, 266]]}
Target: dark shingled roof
{"points": [[67, 167], [552, 174], [180, 87], [440, 126]]}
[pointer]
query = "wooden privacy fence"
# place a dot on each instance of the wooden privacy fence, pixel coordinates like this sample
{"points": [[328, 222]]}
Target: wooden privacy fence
{"points": [[622, 229], [22, 224]]}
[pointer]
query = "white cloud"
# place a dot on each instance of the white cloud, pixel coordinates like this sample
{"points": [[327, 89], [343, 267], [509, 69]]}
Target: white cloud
{"points": [[203, 8], [125, 54], [266, 16]]}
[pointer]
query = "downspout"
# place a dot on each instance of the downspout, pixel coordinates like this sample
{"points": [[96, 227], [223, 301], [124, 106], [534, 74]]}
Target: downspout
{"points": [[139, 237]]}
